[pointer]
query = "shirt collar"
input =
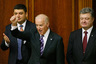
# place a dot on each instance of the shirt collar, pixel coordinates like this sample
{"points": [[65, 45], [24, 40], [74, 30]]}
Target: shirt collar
{"points": [[24, 24], [18, 25], [89, 30], [47, 33]]}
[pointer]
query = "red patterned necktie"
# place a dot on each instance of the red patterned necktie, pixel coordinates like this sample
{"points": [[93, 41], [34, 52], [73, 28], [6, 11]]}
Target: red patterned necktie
{"points": [[85, 41]]}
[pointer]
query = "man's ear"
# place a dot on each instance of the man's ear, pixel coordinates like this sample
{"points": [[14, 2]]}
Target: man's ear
{"points": [[27, 15], [48, 24]]}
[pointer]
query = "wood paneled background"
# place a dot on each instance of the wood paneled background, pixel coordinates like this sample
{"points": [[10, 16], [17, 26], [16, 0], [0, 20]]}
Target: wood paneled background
{"points": [[63, 16]]}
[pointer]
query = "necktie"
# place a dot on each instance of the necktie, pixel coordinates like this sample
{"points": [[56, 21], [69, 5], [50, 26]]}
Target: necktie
{"points": [[41, 44], [19, 45], [85, 41], [21, 28]]}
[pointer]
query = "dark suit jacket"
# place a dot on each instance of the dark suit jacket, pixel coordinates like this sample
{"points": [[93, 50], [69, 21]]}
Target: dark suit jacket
{"points": [[75, 48], [53, 52], [13, 48]]}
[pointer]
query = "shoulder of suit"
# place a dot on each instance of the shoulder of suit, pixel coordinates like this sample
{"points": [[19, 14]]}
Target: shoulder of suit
{"points": [[31, 25], [76, 31], [8, 26], [30, 22], [56, 35]]}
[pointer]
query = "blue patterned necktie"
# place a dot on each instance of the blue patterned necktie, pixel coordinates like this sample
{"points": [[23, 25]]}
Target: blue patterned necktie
{"points": [[19, 45], [41, 44]]}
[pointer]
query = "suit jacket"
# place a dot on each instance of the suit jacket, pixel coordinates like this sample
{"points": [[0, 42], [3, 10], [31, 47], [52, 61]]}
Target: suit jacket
{"points": [[13, 47], [53, 52], [75, 48]]}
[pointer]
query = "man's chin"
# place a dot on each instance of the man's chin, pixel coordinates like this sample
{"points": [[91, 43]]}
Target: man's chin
{"points": [[84, 26], [40, 33], [19, 20]]}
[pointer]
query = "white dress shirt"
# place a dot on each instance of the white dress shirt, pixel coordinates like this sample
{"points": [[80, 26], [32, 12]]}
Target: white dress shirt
{"points": [[46, 37], [88, 34]]}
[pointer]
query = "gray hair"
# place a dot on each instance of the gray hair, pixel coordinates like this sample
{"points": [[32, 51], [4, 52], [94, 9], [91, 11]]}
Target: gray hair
{"points": [[42, 16], [87, 10]]}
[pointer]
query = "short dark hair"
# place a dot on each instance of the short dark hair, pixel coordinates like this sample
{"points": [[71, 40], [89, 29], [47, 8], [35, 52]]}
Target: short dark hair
{"points": [[21, 6], [87, 10]]}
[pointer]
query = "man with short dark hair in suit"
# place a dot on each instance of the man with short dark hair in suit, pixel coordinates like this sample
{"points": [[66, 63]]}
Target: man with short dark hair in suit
{"points": [[18, 53], [47, 46], [82, 42]]}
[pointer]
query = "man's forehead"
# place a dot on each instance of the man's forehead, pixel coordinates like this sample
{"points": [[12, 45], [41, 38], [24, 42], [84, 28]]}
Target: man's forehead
{"points": [[18, 10]]}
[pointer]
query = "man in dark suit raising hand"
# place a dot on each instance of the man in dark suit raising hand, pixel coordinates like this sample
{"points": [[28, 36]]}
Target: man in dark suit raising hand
{"points": [[20, 50]]}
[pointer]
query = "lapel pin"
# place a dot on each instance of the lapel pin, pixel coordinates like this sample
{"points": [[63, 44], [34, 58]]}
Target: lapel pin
{"points": [[92, 35], [50, 38]]}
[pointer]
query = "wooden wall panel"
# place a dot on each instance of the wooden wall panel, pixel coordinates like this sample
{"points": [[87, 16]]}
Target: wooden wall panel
{"points": [[74, 15], [6, 11], [29, 7]]}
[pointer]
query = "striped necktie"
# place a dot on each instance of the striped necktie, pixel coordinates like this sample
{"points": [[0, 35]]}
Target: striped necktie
{"points": [[41, 44]]}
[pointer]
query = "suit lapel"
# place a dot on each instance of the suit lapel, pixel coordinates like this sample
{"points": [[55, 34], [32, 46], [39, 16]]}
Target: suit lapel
{"points": [[90, 42], [37, 42], [49, 41], [79, 36], [27, 23], [14, 39]]}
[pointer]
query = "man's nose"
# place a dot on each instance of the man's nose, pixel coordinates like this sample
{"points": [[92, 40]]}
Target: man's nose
{"points": [[84, 20], [17, 15]]}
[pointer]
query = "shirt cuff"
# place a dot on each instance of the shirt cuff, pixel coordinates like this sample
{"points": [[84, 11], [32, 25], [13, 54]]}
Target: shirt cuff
{"points": [[6, 44], [13, 27]]}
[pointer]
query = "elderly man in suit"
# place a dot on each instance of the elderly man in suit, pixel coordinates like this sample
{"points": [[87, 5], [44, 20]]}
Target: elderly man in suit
{"points": [[82, 42], [47, 46], [19, 50]]}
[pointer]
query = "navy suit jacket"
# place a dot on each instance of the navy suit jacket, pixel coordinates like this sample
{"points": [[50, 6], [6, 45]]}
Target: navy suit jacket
{"points": [[13, 47], [75, 48], [53, 52]]}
